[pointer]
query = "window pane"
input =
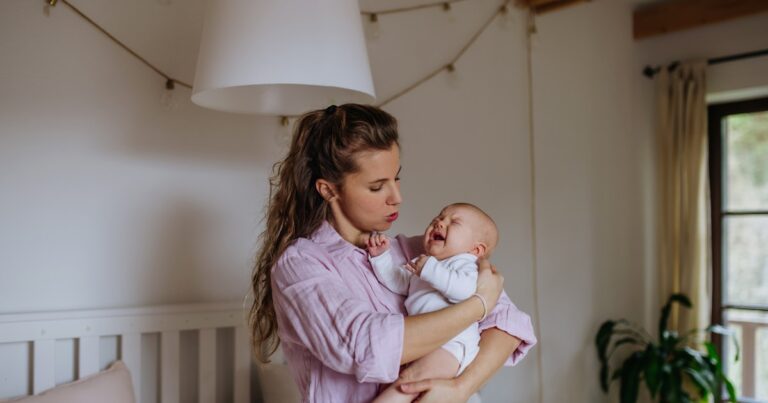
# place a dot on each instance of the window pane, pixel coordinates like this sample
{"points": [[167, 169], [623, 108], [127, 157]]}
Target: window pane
{"points": [[750, 374], [746, 260], [747, 161], [761, 346], [733, 368]]}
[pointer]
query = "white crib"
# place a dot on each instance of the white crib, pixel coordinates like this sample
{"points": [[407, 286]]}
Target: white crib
{"points": [[147, 339]]}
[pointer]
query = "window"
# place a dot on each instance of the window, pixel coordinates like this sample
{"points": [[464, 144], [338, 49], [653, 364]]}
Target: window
{"points": [[738, 170]]}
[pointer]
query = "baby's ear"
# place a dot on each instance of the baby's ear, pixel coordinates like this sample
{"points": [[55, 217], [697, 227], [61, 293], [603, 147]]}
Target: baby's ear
{"points": [[480, 249]]}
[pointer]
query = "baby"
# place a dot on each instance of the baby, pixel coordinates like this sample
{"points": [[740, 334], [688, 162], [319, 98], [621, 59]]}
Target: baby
{"points": [[446, 274]]}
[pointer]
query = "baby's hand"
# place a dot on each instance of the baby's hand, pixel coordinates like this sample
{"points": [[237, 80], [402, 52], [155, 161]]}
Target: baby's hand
{"points": [[415, 265], [377, 244]]}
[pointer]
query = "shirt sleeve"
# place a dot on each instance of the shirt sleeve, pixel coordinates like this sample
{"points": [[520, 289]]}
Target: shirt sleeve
{"points": [[336, 326], [505, 316], [457, 281], [392, 276]]}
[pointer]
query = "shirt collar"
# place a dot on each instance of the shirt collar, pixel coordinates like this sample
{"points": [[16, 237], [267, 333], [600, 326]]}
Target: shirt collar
{"points": [[329, 238]]}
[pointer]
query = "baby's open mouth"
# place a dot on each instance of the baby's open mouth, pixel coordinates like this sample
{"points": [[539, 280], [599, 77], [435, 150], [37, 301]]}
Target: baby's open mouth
{"points": [[436, 236]]}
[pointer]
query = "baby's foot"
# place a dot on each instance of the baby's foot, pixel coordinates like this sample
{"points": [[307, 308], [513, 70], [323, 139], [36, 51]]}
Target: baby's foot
{"points": [[377, 244]]}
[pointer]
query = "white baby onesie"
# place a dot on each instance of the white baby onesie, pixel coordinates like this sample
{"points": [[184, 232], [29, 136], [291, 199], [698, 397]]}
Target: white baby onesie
{"points": [[442, 283]]}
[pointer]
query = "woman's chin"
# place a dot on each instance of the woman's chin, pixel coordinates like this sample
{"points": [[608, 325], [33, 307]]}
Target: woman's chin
{"points": [[381, 227]]}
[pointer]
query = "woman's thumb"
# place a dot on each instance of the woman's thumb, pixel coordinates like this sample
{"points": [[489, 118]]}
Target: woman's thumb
{"points": [[416, 387]]}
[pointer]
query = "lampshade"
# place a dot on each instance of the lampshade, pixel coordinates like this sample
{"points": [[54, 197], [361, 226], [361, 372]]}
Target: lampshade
{"points": [[281, 57]]}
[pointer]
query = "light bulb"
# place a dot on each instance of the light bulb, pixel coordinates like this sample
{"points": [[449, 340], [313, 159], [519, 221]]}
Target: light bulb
{"points": [[448, 9], [505, 17], [452, 79], [167, 98], [283, 134], [373, 27]]}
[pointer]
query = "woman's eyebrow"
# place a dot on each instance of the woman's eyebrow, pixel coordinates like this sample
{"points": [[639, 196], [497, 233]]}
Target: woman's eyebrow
{"points": [[386, 179]]}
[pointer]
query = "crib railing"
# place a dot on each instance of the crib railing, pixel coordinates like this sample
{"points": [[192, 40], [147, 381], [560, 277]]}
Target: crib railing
{"points": [[43, 330]]}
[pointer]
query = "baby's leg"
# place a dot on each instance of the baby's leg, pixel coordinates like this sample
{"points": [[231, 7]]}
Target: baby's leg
{"points": [[439, 364]]}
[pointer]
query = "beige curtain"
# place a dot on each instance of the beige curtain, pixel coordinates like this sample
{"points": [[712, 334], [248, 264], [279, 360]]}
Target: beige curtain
{"points": [[683, 210]]}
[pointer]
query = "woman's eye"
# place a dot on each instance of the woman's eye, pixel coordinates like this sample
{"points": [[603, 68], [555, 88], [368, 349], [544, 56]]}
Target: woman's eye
{"points": [[376, 189], [397, 179]]}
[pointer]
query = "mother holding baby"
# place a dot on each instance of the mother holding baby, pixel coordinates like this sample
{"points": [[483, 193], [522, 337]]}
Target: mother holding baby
{"points": [[315, 293]]}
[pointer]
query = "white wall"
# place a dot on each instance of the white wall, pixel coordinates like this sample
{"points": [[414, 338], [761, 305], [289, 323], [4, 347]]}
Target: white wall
{"points": [[108, 199], [589, 205]]}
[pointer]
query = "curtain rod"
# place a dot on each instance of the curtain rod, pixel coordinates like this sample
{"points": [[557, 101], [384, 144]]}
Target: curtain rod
{"points": [[649, 71]]}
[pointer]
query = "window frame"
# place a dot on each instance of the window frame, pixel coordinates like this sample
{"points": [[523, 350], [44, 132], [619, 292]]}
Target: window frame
{"points": [[716, 113]]}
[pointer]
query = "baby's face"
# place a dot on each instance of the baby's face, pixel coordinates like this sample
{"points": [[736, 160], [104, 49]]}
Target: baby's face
{"points": [[452, 232]]}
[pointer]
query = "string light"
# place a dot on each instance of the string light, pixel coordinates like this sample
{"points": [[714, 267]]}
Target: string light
{"points": [[167, 99], [447, 8], [373, 29], [283, 135], [505, 16]]}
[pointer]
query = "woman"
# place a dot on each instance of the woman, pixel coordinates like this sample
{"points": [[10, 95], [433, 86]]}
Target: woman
{"points": [[342, 332]]}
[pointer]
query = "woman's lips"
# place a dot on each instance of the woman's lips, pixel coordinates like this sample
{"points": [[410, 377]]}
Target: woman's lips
{"points": [[392, 217]]}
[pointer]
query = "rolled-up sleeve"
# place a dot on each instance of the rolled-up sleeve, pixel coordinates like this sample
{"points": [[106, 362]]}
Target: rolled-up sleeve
{"points": [[339, 328], [505, 316]]}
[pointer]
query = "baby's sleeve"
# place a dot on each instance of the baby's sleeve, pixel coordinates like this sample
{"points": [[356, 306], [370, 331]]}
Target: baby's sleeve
{"points": [[394, 277], [457, 281]]}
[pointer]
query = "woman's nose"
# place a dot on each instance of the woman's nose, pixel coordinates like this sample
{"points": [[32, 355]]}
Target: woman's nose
{"points": [[395, 198]]}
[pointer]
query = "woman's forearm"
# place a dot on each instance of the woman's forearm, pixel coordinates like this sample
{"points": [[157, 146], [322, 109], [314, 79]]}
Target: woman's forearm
{"points": [[426, 332], [495, 346]]}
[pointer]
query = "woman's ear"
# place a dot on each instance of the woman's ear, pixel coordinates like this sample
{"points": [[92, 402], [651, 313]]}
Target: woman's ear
{"points": [[326, 189], [480, 249]]}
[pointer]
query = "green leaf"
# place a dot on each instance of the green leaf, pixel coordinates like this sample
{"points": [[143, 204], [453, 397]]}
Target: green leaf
{"points": [[724, 331], [620, 342], [652, 372], [669, 339], [719, 329], [729, 387], [699, 381], [604, 377], [665, 311], [603, 338], [630, 378], [712, 354], [694, 356]]}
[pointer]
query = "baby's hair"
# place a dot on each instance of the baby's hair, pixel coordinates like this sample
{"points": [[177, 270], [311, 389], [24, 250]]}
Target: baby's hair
{"points": [[490, 232]]}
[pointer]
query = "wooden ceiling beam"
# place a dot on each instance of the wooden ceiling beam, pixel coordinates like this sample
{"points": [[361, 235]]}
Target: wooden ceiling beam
{"points": [[678, 15], [545, 6]]}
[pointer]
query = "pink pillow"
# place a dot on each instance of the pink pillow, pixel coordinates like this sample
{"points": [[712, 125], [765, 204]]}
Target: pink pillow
{"points": [[112, 385]]}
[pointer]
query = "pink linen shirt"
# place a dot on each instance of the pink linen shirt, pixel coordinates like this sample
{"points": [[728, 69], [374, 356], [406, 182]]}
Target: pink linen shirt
{"points": [[342, 331]]}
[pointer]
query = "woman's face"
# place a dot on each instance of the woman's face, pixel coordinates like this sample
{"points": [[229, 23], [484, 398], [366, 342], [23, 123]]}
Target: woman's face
{"points": [[369, 199]]}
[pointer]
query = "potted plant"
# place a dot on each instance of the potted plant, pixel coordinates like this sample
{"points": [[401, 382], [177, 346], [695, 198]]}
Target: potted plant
{"points": [[665, 364]]}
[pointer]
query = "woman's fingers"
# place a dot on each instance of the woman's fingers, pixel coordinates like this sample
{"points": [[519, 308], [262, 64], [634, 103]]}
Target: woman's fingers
{"points": [[416, 387], [490, 283]]}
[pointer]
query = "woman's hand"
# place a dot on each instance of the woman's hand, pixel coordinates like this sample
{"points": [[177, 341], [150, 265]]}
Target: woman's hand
{"points": [[490, 283], [438, 391]]}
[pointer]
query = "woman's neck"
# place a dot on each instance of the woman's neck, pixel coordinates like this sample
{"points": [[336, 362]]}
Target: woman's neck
{"points": [[349, 232]]}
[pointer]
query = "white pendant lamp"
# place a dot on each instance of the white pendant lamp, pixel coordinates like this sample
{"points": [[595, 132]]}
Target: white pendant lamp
{"points": [[281, 57]]}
